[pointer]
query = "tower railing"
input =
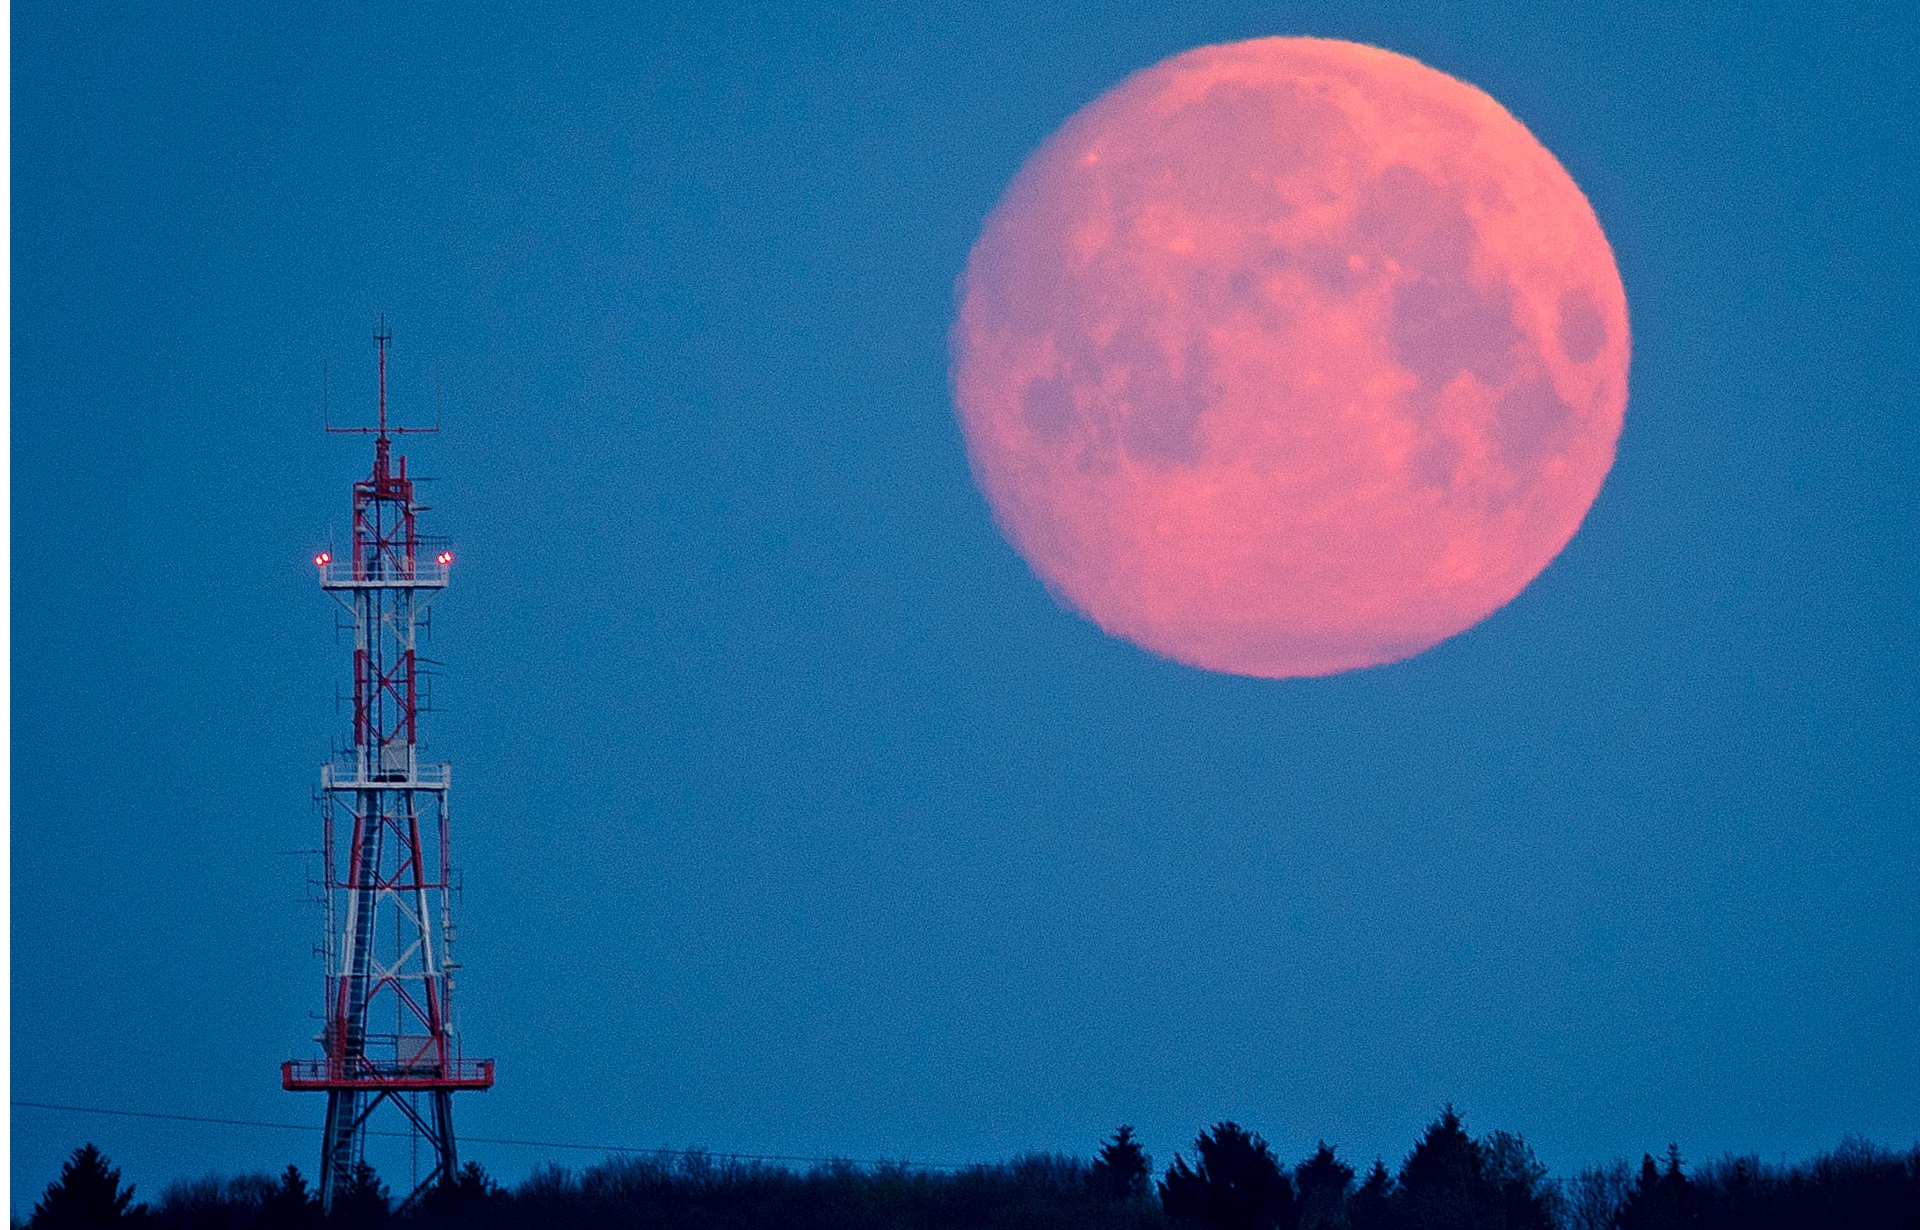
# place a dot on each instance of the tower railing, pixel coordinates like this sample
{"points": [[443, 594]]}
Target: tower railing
{"points": [[405, 1075], [344, 574], [346, 777]]}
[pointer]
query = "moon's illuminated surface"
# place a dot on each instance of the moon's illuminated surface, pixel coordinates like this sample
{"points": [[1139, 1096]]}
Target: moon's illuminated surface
{"points": [[1290, 356]]}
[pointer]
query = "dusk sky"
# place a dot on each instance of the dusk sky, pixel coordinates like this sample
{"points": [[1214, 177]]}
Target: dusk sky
{"points": [[796, 816]]}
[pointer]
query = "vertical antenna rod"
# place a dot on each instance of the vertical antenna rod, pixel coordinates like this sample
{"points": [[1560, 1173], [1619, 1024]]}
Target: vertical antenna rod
{"points": [[381, 337]]}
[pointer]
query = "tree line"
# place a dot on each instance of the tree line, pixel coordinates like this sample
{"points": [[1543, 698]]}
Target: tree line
{"points": [[1231, 1180]]}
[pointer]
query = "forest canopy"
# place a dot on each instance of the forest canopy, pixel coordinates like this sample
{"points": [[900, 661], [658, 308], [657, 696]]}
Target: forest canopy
{"points": [[1231, 1179]]}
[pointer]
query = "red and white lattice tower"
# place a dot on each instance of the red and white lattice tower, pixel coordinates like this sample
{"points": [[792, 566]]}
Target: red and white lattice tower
{"points": [[389, 1035]]}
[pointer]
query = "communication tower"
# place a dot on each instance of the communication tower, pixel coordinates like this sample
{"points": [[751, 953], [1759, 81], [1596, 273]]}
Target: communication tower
{"points": [[385, 846]]}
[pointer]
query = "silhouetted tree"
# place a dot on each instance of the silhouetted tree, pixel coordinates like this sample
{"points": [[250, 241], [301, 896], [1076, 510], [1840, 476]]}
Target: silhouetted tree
{"points": [[1122, 1171], [291, 1204], [1596, 1195], [1236, 1184], [213, 1203], [87, 1193], [1371, 1205], [1661, 1200], [1322, 1181], [1443, 1183], [1865, 1186], [547, 1196], [362, 1199], [1740, 1191], [474, 1183], [1528, 1198], [470, 1197]]}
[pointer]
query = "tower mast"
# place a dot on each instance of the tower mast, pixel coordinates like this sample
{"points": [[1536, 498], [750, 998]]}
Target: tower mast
{"points": [[389, 923]]}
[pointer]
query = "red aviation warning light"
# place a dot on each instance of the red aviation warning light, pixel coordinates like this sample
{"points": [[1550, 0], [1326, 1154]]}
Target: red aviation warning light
{"points": [[390, 1036]]}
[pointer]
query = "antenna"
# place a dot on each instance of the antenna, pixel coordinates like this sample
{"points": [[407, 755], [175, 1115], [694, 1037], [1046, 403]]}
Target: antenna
{"points": [[380, 339]]}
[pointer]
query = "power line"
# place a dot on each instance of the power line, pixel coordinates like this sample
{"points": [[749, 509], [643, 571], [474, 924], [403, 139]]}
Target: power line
{"points": [[490, 1140]]}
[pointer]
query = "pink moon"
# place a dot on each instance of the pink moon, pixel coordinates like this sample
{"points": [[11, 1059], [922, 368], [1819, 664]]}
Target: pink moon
{"points": [[1289, 357]]}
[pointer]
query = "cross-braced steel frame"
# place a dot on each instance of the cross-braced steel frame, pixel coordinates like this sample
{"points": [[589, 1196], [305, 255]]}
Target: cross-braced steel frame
{"points": [[389, 1035]]}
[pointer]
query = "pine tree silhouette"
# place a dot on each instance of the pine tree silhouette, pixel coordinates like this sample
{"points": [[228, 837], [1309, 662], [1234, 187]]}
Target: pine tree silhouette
{"points": [[1371, 1206], [471, 1193], [87, 1193], [1443, 1183], [1323, 1180], [474, 1182], [1236, 1184], [291, 1205], [1123, 1170], [363, 1200], [1661, 1200]]}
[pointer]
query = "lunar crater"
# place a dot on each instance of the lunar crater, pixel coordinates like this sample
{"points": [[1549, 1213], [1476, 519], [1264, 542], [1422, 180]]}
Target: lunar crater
{"points": [[1582, 329]]}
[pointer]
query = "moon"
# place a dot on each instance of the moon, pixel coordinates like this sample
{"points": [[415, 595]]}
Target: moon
{"points": [[1291, 356]]}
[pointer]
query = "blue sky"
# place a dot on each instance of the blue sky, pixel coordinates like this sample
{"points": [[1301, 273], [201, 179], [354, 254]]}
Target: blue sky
{"points": [[795, 816]]}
